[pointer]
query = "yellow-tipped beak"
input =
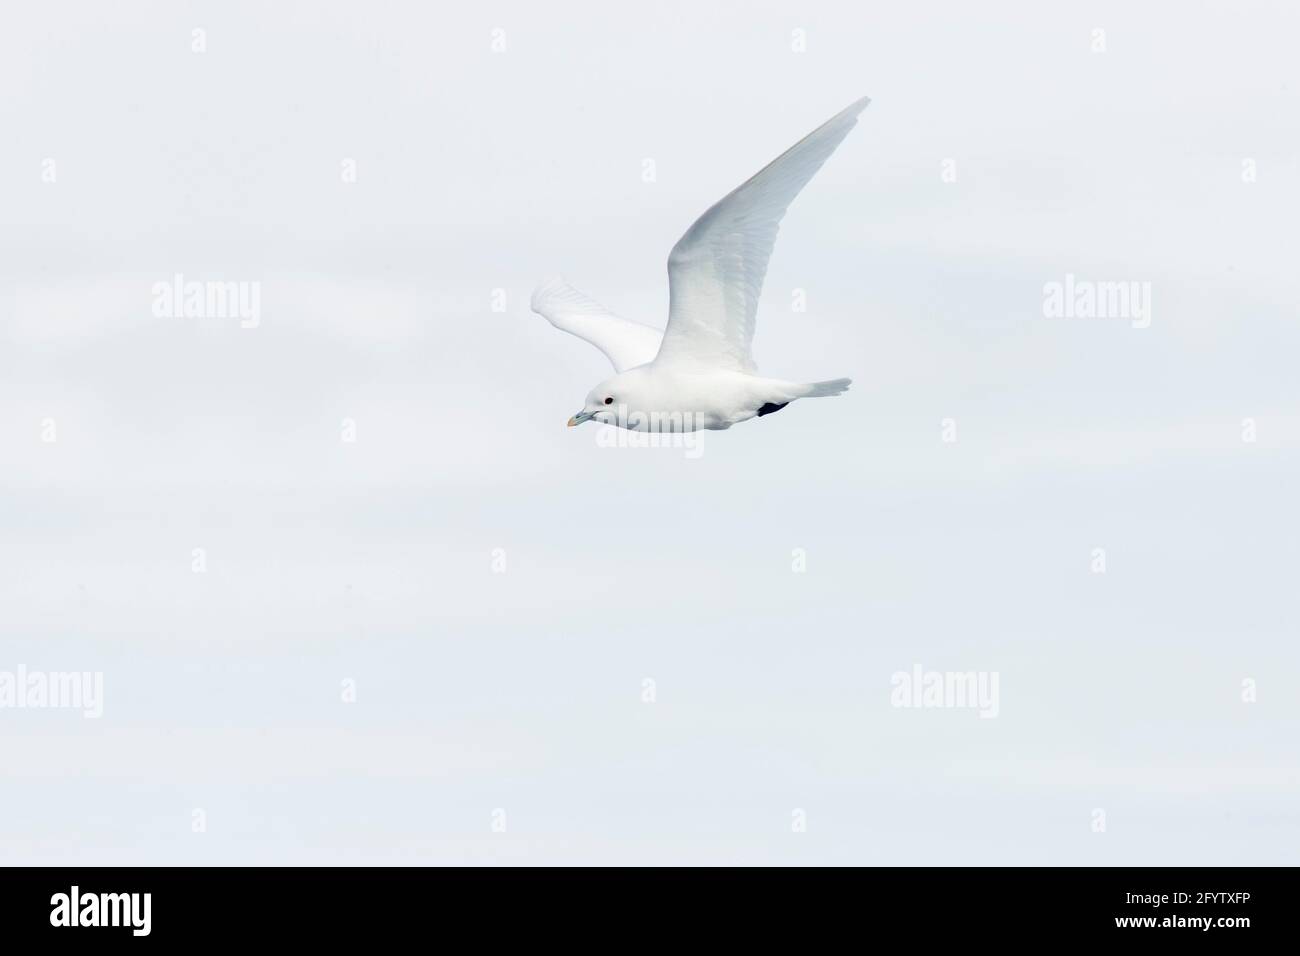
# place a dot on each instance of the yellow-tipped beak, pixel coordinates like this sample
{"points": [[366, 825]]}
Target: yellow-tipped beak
{"points": [[579, 418]]}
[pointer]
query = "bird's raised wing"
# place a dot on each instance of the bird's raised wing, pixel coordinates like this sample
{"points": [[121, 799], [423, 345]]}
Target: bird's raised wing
{"points": [[625, 343], [716, 270]]}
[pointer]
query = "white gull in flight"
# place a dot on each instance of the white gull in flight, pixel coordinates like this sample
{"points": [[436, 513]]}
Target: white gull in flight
{"points": [[699, 371]]}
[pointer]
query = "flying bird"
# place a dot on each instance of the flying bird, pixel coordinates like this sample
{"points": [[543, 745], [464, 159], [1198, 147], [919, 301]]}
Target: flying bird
{"points": [[699, 372]]}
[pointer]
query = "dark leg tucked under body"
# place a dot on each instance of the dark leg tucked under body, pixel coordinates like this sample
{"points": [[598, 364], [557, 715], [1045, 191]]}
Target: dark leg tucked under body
{"points": [[770, 407]]}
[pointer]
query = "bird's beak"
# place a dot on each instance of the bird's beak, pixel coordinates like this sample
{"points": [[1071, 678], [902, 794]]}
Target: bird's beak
{"points": [[579, 418]]}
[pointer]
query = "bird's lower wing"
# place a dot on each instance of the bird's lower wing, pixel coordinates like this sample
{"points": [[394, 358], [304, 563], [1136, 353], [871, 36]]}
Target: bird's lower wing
{"points": [[716, 269], [625, 343]]}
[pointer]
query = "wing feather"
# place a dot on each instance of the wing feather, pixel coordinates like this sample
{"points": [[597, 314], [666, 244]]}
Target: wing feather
{"points": [[716, 270], [625, 343]]}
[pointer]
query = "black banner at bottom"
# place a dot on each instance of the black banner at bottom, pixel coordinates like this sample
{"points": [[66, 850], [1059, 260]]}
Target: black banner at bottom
{"points": [[334, 906]]}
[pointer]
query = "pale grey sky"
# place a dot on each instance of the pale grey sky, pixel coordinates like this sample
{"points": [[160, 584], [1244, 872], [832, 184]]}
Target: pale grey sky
{"points": [[1002, 150]]}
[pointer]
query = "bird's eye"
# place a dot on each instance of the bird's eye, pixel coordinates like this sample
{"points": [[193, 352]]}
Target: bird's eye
{"points": [[609, 401]]}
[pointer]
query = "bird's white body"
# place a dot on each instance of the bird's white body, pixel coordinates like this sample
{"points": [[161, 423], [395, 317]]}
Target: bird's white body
{"points": [[666, 398], [699, 372]]}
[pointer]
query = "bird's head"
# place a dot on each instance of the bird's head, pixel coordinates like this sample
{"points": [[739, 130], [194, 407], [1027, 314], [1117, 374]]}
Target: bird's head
{"points": [[606, 400], [601, 404]]}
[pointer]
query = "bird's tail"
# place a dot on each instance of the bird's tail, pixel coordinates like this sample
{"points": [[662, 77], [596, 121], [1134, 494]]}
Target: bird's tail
{"points": [[821, 389]]}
